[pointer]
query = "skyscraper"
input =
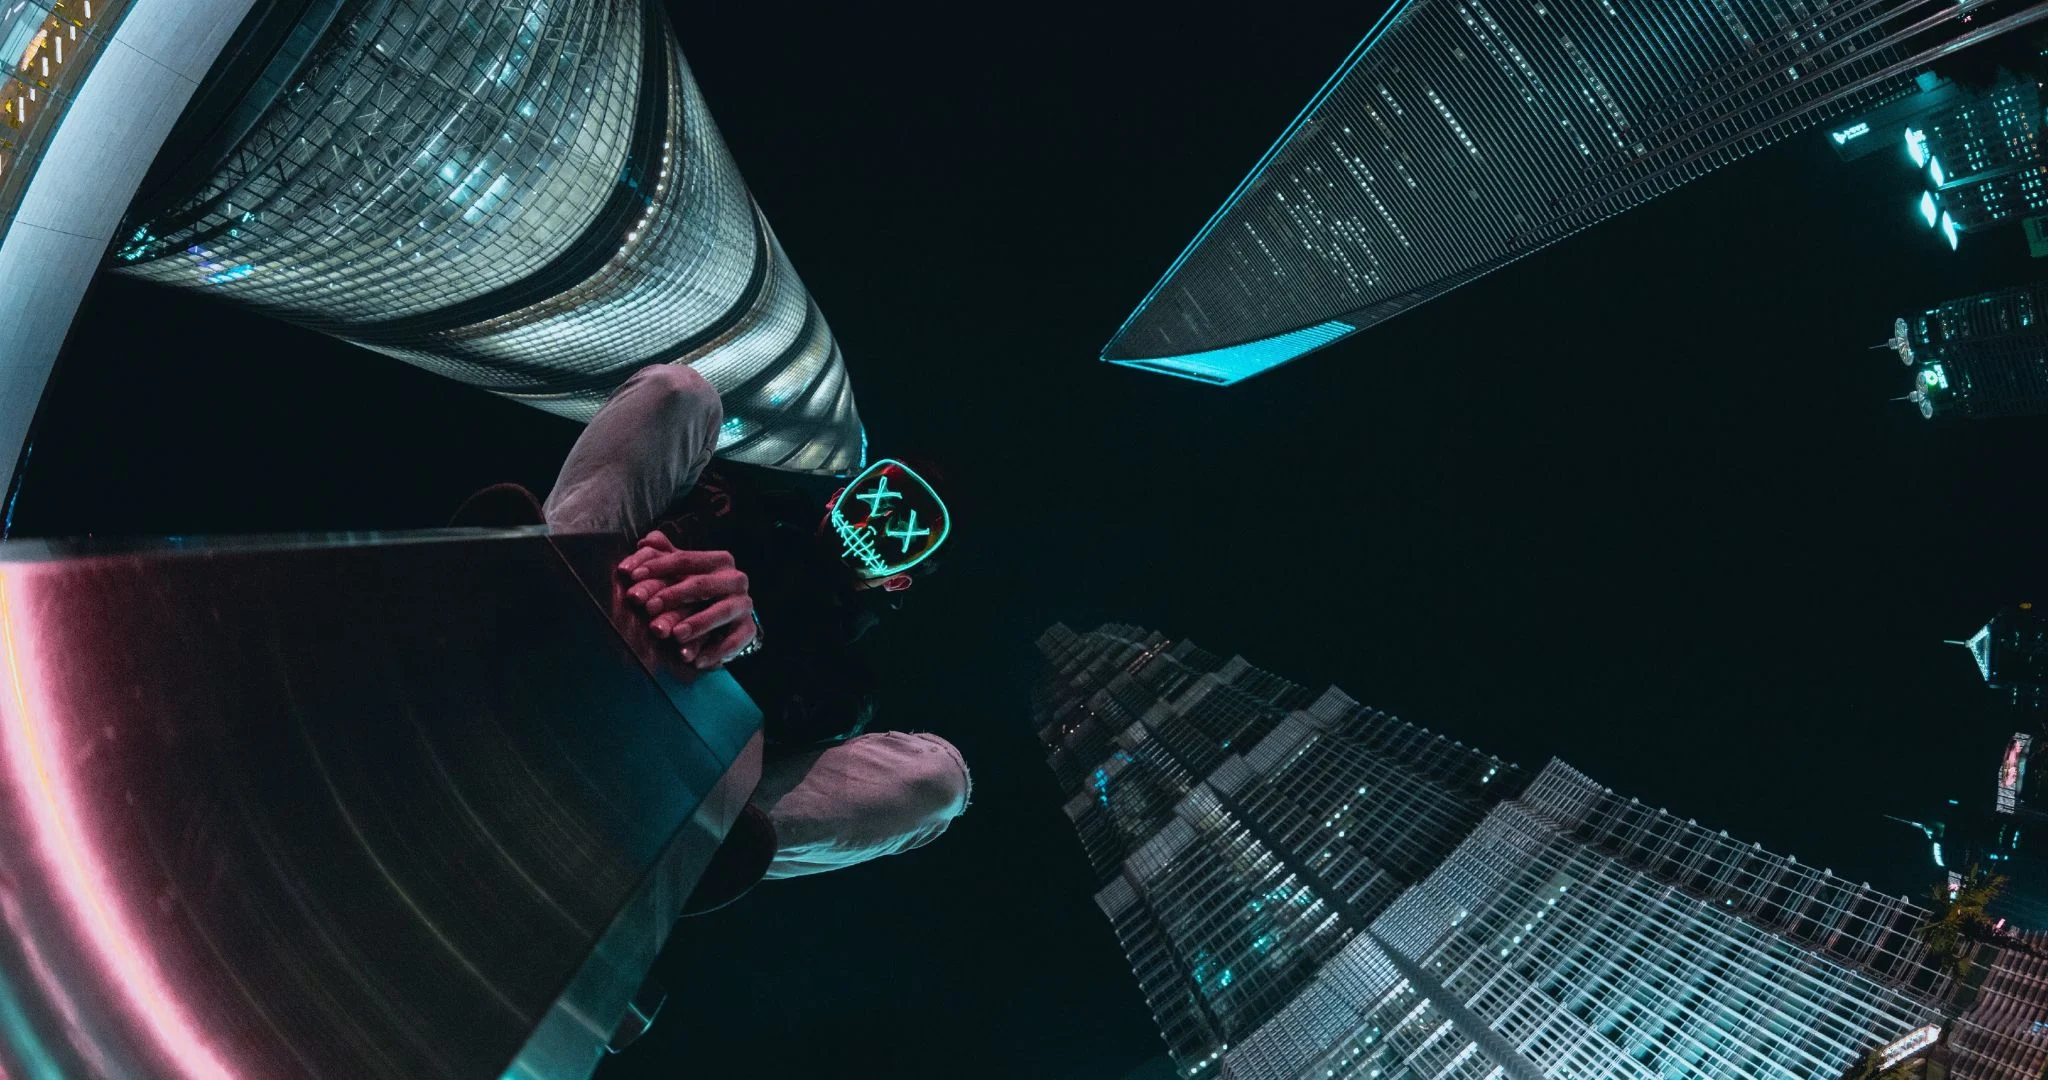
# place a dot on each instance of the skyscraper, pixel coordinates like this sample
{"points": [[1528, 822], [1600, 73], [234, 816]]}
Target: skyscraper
{"points": [[1339, 894], [1984, 155], [1460, 136], [1983, 355], [530, 198], [1243, 829], [2011, 652]]}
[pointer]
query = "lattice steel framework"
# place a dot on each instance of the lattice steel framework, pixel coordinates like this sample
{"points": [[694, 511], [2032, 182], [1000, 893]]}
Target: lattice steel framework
{"points": [[1462, 135], [528, 196]]}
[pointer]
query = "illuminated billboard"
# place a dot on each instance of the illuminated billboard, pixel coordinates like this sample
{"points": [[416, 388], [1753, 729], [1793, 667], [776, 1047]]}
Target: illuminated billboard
{"points": [[2012, 771]]}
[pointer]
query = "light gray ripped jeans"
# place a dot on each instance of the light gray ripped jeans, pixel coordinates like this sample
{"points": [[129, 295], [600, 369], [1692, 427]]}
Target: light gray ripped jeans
{"points": [[872, 795]]}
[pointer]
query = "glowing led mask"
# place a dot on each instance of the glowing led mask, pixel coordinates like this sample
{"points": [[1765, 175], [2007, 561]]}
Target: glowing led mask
{"points": [[889, 519]]}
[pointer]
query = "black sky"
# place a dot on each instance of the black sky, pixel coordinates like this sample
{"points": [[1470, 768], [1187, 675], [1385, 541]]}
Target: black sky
{"points": [[1639, 501]]}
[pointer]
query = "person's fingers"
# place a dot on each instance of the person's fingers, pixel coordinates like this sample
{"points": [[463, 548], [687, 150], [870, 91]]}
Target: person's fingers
{"points": [[664, 623], [676, 565], [687, 630], [654, 543], [697, 588], [721, 645]]}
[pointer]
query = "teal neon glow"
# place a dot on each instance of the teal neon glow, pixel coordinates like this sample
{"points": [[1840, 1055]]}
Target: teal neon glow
{"points": [[1934, 170], [909, 532], [1927, 208], [880, 495], [1948, 230], [235, 273], [859, 544], [1235, 363], [1854, 132], [1916, 146], [859, 537], [22, 1037], [1358, 52]]}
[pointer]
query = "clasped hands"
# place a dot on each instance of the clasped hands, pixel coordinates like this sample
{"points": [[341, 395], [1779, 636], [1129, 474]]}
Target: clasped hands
{"points": [[695, 600]]}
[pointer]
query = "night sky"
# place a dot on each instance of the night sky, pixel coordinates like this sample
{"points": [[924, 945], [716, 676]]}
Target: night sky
{"points": [[1639, 501]]}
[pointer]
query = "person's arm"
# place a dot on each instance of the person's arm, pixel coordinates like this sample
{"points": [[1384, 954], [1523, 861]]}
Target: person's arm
{"points": [[696, 599]]}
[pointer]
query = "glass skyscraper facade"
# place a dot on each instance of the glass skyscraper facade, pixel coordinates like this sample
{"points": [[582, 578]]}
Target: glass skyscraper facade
{"points": [[530, 198], [1983, 355], [1336, 893], [1984, 156], [1461, 135], [1244, 830]]}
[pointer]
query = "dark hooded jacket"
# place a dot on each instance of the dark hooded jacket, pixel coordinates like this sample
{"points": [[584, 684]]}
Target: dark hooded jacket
{"points": [[809, 678]]}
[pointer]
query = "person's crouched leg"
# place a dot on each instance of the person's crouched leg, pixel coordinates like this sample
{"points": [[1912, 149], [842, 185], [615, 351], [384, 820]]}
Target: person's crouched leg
{"points": [[874, 795], [645, 447]]}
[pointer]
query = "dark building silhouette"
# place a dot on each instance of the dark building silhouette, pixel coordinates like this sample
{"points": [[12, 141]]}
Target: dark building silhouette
{"points": [[1979, 356], [1984, 158], [1242, 828], [1308, 888], [1460, 136], [529, 198], [2012, 654]]}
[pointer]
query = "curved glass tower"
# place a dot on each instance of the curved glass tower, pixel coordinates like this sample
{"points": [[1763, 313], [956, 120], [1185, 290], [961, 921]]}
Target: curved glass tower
{"points": [[1461, 135], [527, 197]]}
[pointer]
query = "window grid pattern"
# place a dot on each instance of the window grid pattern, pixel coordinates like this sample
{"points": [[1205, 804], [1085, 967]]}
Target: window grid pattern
{"points": [[685, 262], [1351, 897], [2001, 1035], [1465, 134], [1583, 945], [1241, 845], [1990, 153], [529, 197], [429, 153], [1249, 928], [1983, 355]]}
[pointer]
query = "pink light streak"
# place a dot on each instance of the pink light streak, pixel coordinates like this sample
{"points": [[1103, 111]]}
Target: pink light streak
{"points": [[35, 757]]}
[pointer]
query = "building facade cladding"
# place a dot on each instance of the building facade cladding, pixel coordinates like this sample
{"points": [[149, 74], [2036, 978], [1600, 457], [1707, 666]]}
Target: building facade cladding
{"points": [[1989, 150], [530, 198], [1351, 896], [1577, 933], [1983, 355], [2001, 1035], [1464, 134], [1243, 830]]}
